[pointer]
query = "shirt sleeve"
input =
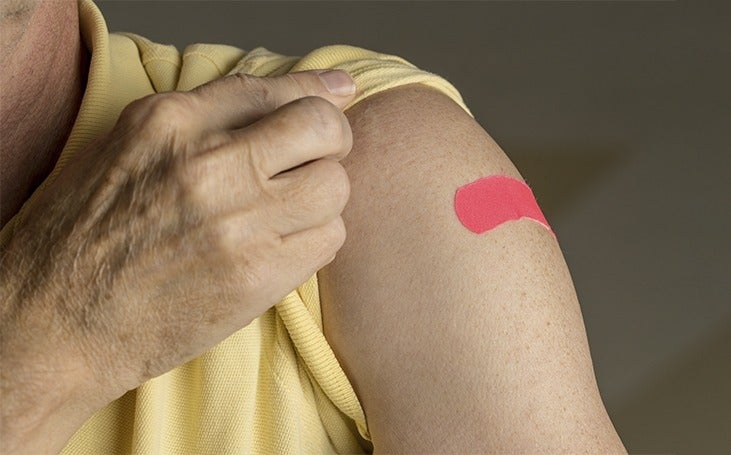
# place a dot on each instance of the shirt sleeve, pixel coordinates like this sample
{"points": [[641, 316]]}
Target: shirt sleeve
{"points": [[299, 313], [372, 71]]}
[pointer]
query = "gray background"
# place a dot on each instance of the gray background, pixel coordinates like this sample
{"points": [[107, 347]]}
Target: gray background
{"points": [[617, 114]]}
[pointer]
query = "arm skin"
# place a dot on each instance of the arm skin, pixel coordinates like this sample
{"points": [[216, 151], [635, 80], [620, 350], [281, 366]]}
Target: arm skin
{"points": [[454, 342]]}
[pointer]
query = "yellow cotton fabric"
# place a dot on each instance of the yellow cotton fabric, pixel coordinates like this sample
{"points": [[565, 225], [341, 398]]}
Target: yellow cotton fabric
{"points": [[275, 386]]}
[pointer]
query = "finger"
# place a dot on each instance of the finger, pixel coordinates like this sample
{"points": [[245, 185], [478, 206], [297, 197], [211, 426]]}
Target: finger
{"points": [[293, 201], [311, 195], [237, 100], [273, 265], [310, 251], [233, 174], [304, 130]]}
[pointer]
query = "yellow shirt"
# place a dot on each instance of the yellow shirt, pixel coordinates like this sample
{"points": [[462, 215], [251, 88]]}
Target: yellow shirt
{"points": [[275, 386]]}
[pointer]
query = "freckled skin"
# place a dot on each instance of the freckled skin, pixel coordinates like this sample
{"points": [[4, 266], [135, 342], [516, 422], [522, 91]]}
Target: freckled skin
{"points": [[430, 321]]}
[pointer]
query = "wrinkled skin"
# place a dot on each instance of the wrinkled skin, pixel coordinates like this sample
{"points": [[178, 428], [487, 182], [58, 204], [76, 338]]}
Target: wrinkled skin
{"points": [[195, 214]]}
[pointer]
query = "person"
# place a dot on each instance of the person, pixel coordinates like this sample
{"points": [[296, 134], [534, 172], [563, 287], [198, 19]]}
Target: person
{"points": [[177, 278]]}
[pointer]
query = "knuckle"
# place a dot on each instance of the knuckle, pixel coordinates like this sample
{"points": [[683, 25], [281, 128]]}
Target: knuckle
{"points": [[236, 248], [325, 190], [299, 82], [130, 110], [222, 236], [168, 111], [259, 93], [191, 179], [335, 182], [136, 111], [193, 173], [246, 81], [347, 138], [172, 104], [323, 117], [334, 235], [186, 173]]}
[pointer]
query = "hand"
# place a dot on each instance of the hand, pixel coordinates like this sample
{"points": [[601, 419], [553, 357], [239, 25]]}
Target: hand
{"points": [[194, 215]]}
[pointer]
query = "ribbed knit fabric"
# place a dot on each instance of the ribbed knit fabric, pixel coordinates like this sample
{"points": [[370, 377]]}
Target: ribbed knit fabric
{"points": [[275, 386]]}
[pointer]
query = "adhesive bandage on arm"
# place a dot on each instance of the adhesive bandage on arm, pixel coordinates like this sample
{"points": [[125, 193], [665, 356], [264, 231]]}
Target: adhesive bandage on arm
{"points": [[489, 202]]}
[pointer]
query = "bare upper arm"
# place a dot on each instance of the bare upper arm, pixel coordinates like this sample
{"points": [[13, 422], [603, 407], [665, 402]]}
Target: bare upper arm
{"points": [[454, 342]]}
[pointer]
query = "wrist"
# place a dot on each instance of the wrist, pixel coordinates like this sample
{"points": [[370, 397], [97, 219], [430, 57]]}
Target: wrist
{"points": [[41, 407], [43, 402], [46, 391]]}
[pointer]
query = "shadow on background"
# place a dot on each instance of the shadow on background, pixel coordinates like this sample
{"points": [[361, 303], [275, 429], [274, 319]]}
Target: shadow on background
{"points": [[560, 178], [687, 408]]}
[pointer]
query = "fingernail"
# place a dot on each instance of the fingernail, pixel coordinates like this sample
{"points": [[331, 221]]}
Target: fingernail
{"points": [[338, 82]]}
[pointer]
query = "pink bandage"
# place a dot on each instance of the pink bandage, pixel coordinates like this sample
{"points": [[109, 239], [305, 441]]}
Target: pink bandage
{"points": [[489, 202]]}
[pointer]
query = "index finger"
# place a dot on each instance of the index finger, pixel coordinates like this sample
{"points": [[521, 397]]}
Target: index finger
{"points": [[238, 100]]}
